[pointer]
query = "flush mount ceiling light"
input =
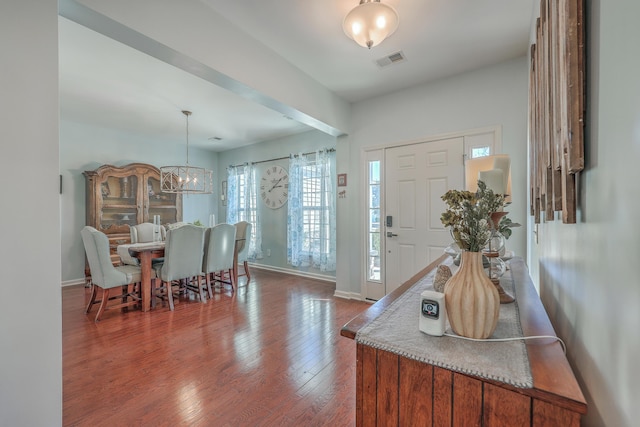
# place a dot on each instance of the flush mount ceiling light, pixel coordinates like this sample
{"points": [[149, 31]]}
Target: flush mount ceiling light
{"points": [[369, 23], [186, 179]]}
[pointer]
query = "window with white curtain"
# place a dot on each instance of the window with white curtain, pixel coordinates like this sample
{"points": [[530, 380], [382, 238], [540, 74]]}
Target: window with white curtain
{"points": [[311, 225], [242, 203]]}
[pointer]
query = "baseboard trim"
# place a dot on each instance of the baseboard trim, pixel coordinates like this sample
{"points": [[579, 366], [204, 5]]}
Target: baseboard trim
{"points": [[348, 295], [306, 274], [73, 282]]}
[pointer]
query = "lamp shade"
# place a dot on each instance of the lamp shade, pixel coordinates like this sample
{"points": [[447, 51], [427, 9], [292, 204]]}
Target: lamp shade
{"points": [[186, 178], [369, 23], [496, 171]]}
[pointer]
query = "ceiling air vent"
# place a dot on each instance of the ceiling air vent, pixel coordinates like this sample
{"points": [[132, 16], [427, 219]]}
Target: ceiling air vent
{"points": [[394, 58]]}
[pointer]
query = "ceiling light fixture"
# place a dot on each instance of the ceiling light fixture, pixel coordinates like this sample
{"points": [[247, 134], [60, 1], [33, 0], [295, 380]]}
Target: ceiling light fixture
{"points": [[369, 23], [186, 179]]}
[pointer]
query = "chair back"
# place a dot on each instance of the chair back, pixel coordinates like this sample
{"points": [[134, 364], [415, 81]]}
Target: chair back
{"points": [[243, 235], [143, 233], [220, 242], [103, 273], [183, 253]]}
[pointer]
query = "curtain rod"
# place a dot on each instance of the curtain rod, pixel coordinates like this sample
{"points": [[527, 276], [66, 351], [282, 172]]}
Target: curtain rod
{"points": [[330, 150]]}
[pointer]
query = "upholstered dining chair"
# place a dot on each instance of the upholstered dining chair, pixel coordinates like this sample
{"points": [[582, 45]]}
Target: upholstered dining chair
{"points": [[140, 233], [107, 277], [243, 237], [143, 233], [183, 253], [217, 264]]}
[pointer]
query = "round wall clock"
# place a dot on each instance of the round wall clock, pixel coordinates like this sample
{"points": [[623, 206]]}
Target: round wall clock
{"points": [[274, 186]]}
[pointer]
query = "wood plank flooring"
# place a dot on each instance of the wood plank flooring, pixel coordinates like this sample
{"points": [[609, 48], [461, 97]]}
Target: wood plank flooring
{"points": [[269, 354]]}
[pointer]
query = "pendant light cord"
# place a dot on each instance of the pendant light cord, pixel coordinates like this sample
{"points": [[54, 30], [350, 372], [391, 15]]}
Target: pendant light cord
{"points": [[187, 114]]}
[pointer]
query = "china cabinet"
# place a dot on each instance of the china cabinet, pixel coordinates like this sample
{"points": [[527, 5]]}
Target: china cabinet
{"points": [[118, 197]]}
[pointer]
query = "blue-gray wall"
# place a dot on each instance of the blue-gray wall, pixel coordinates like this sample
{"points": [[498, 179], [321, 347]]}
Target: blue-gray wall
{"points": [[85, 147], [274, 221]]}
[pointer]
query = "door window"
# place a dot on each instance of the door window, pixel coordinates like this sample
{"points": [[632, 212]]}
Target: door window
{"points": [[373, 227]]}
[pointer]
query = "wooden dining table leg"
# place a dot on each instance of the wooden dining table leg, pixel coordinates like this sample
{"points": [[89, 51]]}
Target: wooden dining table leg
{"points": [[145, 266]]}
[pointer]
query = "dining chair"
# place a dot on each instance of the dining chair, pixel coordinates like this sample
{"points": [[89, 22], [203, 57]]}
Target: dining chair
{"points": [[243, 237], [140, 233], [106, 276], [219, 249], [183, 253], [143, 233]]}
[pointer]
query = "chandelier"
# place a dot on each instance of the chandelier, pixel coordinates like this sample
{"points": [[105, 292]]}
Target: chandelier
{"points": [[186, 179], [369, 23]]}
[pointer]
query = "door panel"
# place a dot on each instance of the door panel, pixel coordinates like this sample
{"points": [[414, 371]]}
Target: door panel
{"points": [[407, 204], [415, 177]]}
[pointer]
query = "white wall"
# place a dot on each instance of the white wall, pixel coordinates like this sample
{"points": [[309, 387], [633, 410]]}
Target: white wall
{"points": [[85, 147], [274, 221], [220, 53], [587, 272], [491, 96], [30, 318]]}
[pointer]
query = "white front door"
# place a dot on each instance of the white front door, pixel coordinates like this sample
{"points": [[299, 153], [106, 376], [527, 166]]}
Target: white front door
{"points": [[415, 177]]}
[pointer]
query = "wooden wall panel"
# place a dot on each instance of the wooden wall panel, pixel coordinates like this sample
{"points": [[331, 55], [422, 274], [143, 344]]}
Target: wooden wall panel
{"points": [[467, 401], [442, 395], [387, 394], [556, 109], [369, 386], [546, 414], [416, 393], [505, 408], [359, 370]]}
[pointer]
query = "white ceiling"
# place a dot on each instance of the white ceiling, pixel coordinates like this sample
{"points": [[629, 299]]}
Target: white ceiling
{"points": [[105, 83]]}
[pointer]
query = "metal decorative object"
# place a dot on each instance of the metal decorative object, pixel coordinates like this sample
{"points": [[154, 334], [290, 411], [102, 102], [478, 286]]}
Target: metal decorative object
{"points": [[186, 179]]}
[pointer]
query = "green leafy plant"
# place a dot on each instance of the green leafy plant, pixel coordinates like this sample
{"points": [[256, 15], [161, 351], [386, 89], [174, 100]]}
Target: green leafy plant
{"points": [[468, 216], [198, 223], [505, 226]]}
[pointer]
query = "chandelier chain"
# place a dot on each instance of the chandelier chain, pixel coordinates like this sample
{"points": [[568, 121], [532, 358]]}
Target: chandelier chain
{"points": [[187, 114]]}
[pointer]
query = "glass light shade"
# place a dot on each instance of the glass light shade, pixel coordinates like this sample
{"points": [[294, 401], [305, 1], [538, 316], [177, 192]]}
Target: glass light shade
{"points": [[368, 24], [186, 179]]}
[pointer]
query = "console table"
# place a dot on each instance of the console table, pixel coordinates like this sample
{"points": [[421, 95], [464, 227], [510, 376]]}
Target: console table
{"points": [[392, 390]]}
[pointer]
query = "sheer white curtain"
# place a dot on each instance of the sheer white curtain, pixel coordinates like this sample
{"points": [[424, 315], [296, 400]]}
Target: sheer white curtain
{"points": [[242, 190], [311, 224]]}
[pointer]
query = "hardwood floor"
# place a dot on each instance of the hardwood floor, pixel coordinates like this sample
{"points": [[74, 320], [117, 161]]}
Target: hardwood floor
{"points": [[269, 355]]}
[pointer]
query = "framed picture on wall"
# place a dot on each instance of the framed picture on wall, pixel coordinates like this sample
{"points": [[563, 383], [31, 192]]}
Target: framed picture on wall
{"points": [[342, 180]]}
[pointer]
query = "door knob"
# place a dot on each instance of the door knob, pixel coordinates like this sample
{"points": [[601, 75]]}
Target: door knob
{"points": [[390, 234]]}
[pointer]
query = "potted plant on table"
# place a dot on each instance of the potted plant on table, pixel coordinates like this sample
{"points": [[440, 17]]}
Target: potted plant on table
{"points": [[472, 300]]}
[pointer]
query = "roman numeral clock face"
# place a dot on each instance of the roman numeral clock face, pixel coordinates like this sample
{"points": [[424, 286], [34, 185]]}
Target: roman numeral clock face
{"points": [[274, 187]]}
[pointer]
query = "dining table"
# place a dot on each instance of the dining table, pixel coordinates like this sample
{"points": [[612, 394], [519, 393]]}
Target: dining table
{"points": [[146, 252]]}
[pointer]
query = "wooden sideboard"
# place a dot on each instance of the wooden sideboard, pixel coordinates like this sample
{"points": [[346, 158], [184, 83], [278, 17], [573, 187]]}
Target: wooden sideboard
{"points": [[392, 390]]}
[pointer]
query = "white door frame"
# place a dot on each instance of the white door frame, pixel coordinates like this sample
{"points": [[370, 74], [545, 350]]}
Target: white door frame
{"points": [[472, 138]]}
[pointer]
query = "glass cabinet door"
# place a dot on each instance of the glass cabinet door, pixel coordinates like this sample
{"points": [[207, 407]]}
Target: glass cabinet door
{"points": [[158, 203], [119, 201]]}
